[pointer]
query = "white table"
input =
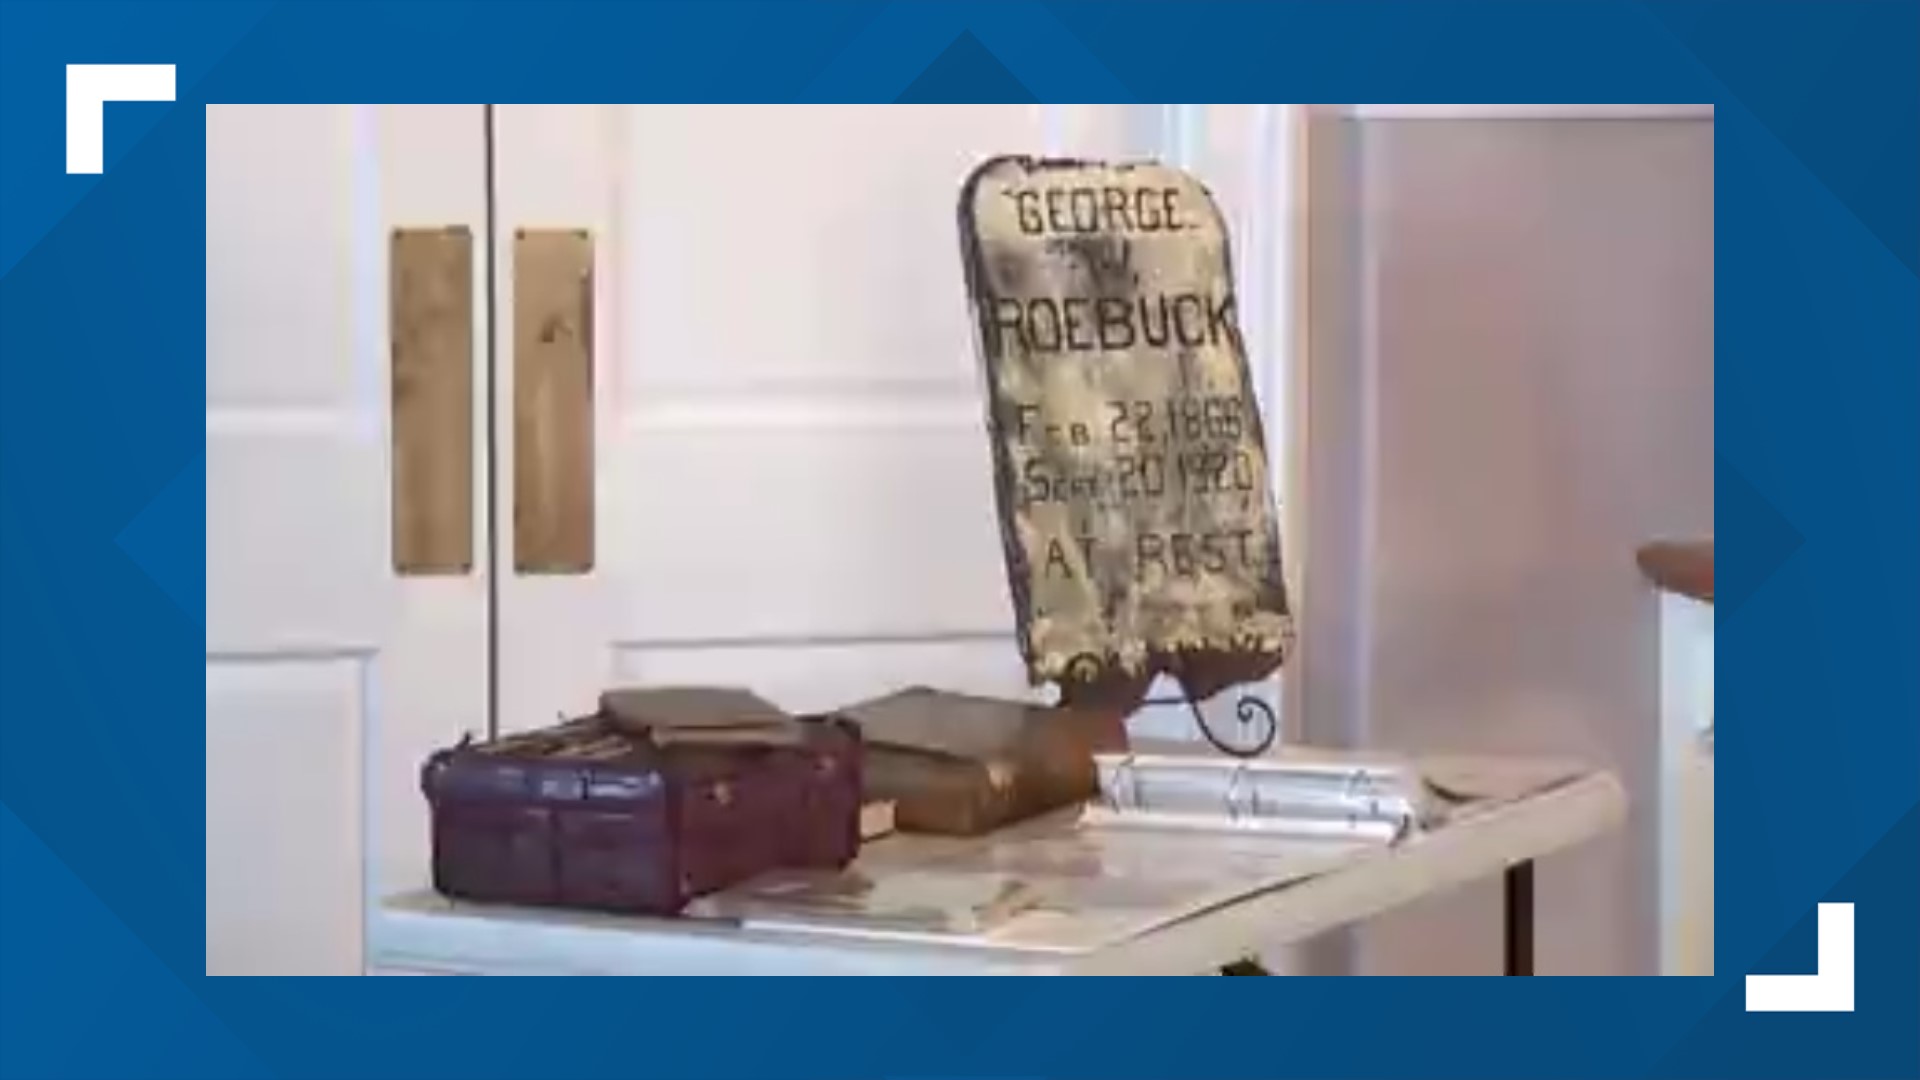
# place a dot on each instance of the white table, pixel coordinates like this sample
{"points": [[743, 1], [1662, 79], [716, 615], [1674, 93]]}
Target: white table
{"points": [[423, 934]]}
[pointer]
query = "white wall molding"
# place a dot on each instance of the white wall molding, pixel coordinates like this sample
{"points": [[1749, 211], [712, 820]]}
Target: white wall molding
{"points": [[817, 672], [869, 410], [989, 635], [292, 421]]}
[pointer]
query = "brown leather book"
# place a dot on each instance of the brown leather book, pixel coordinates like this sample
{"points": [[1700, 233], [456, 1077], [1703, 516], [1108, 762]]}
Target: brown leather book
{"points": [[960, 765]]}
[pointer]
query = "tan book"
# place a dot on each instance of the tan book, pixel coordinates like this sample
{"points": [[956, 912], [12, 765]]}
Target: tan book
{"points": [[962, 765], [876, 820]]}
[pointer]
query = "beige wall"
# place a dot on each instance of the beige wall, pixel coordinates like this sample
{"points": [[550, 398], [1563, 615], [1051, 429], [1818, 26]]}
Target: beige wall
{"points": [[1512, 388]]}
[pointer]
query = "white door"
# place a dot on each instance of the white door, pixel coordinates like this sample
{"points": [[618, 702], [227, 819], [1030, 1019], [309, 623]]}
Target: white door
{"points": [[792, 484], [329, 676]]}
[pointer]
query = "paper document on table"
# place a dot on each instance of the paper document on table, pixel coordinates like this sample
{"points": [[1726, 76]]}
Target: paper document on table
{"points": [[1057, 888], [1098, 887], [913, 901]]}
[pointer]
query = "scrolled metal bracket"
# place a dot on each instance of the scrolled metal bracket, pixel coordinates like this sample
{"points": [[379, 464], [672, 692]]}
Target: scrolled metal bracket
{"points": [[1258, 725]]}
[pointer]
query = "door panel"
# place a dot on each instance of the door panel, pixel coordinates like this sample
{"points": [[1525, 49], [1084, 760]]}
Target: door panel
{"points": [[801, 250], [328, 678], [821, 670], [793, 482], [793, 486], [284, 857]]}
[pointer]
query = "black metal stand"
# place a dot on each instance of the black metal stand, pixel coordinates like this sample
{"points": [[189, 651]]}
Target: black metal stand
{"points": [[1259, 726], [1258, 730], [1519, 918]]}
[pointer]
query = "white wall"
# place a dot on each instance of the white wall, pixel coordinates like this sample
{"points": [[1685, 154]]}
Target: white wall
{"points": [[1512, 380]]}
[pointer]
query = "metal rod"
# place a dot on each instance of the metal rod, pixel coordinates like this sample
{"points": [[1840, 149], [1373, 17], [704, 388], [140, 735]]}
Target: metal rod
{"points": [[491, 191]]}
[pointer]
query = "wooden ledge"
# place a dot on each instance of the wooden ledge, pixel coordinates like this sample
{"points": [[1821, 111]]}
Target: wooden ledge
{"points": [[1684, 568]]}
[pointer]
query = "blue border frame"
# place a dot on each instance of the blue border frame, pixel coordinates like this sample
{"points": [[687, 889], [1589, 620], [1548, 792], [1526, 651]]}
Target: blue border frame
{"points": [[102, 504]]}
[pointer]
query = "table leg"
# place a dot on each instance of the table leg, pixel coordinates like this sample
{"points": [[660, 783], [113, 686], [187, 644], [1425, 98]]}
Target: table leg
{"points": [[1519, 918], [1519, 926]]}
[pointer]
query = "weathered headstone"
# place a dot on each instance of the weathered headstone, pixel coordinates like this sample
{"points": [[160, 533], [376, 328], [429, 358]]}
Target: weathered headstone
{"points": [[1130, 463]]}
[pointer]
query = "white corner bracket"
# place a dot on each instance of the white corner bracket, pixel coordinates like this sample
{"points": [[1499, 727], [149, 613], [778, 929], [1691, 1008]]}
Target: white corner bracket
{"points": [[89, 88], [1830, 989]]}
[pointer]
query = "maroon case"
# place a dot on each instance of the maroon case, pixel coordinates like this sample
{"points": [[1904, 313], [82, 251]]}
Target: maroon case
{"points": [[589, 815]]}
